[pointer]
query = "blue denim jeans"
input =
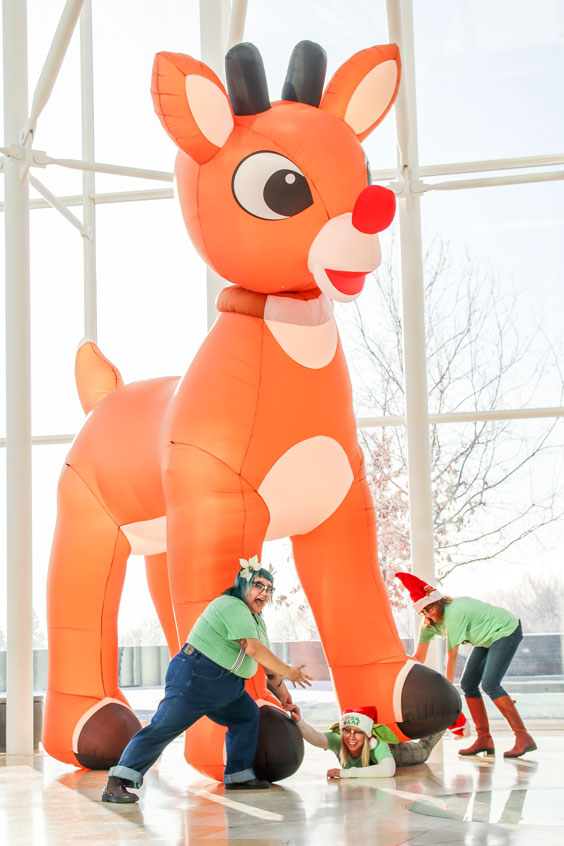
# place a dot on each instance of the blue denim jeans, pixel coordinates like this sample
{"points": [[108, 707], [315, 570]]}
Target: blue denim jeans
{"points": [[196, 686], [489, 665]]}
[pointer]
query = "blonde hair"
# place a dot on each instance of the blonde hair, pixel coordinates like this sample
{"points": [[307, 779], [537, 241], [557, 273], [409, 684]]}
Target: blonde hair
{"points": [[344, 755]]}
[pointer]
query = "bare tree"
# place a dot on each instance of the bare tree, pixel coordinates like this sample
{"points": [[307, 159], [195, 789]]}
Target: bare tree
{"points": [[479, 358], [537, 600]]}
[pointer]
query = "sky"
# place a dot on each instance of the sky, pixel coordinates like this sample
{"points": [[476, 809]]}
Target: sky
{"points": [[488, 75]]}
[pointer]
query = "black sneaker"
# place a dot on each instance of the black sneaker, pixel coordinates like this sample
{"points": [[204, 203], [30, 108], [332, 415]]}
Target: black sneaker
{"points": [[251, 784], [115, 791]]}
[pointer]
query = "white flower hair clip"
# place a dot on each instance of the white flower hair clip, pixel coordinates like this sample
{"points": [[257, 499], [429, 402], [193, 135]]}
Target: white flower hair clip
{"points": [[251, 566]]}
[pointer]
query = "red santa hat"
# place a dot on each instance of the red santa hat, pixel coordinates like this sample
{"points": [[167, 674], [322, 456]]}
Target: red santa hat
{"points": [[416, 587], [361, 718]]}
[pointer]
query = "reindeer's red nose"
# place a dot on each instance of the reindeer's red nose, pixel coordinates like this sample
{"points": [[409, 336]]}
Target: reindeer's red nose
{"points": [[374, 209]]}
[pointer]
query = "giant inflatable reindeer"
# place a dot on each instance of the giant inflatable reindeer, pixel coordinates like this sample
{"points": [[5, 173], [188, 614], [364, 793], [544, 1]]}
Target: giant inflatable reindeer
{"points": [[258, 439]]}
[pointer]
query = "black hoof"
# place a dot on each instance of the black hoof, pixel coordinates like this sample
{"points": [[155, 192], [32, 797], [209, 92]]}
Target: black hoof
{"points": [[429, 702], [105, 735], [280, 746]]}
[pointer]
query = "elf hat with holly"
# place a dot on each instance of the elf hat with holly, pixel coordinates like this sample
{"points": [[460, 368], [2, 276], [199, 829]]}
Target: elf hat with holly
{"points": [[417, 590]]}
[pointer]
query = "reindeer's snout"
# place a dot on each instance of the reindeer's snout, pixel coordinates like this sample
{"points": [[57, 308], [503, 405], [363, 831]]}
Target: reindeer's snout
{"points": [[374, 210]]}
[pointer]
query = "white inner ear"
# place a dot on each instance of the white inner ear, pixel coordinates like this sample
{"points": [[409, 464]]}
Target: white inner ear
{"points": [[210, 109], [372, 97]]}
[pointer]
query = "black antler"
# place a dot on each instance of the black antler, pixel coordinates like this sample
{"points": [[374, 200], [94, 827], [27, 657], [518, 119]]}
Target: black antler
{"points": [[306, 74], [246, 80]]}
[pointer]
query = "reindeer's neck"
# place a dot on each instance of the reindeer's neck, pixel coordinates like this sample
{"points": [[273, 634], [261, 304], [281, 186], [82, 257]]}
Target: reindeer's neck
{"points": [[302, 324], [307, 308]]}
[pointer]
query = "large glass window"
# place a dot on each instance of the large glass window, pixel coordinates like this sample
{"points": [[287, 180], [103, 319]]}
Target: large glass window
{"points": [[487, 79], [488, 76]]}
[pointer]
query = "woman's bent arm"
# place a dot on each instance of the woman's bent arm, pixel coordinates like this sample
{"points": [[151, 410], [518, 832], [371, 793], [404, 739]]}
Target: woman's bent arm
{"points": [[270, 661]]}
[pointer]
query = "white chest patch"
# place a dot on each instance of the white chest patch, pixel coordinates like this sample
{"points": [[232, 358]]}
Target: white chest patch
{"points": [[306, 330], [305, 486]]}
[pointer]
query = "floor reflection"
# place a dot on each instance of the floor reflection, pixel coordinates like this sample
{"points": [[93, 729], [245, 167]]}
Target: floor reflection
{"points": [[449, 800]]}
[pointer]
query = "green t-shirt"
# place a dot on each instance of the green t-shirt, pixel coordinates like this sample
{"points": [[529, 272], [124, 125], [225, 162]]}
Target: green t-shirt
{"points": [[379, 753], [468, 620], [215, 633]]}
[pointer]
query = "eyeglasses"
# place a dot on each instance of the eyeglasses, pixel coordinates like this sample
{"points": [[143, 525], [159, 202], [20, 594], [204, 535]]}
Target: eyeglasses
{"points": [[268, 589], [349, 731]]}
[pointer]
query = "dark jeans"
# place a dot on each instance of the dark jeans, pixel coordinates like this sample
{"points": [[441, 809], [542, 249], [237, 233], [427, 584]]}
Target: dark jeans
{"points": [[194, 687], [489, 666]]}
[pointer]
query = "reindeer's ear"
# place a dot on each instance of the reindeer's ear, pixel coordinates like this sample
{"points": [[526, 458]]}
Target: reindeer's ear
{"points": [[363, 89], [192, 105]]}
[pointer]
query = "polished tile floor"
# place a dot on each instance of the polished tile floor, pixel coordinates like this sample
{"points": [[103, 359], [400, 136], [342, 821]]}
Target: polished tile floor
{"points": [[445, 801]]}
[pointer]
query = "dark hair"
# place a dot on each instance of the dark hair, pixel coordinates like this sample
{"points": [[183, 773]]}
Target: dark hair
{"points": [[242, 586], [440, 604]]}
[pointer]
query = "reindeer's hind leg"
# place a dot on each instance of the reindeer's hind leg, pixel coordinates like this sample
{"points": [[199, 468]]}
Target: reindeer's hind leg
{"points": [[338, 568], [158, 581], [88, 721]]}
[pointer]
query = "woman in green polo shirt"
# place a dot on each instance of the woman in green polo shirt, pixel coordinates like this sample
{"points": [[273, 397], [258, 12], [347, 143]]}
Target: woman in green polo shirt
{"points": [[494, 634], [207, 677]]}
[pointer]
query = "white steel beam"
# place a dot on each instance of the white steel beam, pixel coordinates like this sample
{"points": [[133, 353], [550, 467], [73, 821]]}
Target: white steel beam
{"points": [[52, 65], [60, 207], [400, 25], [214, 23], [90, 309], [19, 679], [41, 159]]}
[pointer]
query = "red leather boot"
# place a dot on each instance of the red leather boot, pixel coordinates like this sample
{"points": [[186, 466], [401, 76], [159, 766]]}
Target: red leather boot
{"points": [[483, 742], [523, 740]]}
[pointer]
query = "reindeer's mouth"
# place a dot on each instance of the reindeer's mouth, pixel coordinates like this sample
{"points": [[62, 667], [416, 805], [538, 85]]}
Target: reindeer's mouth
{"points": [[348, 282]]}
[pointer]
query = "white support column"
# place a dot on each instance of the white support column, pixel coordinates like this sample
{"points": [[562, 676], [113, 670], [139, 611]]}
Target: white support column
{"points": [[19, 683], [400, 24], [214, 22], [237, 22], [88, 177]]}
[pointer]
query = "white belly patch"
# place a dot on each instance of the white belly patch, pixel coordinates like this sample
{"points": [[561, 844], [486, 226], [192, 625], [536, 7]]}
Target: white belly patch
{"points": [[148, 537], [301, 491], [305, 486]]}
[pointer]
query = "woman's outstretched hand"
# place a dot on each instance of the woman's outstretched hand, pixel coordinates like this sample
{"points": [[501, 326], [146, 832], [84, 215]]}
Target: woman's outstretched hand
{"points": [[335, 772], [297, 676]]}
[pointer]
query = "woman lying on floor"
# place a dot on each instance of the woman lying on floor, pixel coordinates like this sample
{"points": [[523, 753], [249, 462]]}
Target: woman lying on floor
{"points": [[361, 744]]}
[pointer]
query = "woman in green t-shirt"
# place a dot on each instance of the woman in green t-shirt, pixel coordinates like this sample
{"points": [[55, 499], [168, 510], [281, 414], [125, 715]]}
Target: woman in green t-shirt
{"points": [[494, 634], [361, 744], [207, 678]]}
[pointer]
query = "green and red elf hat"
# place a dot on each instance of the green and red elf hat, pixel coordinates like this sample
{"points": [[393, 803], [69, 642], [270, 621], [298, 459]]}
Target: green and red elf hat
{"points": [[365, 719], [417, 591]]}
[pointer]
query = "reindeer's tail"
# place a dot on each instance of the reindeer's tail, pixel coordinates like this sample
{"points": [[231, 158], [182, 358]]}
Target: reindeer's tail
{"points": [[95, 375]]}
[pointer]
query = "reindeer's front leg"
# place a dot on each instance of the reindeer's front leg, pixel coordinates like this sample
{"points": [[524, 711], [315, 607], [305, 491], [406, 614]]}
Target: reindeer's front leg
{"points": [[339, 571]]}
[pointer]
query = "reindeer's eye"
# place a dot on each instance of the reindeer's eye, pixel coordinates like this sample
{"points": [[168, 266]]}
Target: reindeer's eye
{"points": [[270, 186]]}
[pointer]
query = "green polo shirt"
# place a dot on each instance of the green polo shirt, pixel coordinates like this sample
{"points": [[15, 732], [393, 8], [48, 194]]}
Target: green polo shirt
{"points": [[468, 620], [379, 753], [216, 633]]}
